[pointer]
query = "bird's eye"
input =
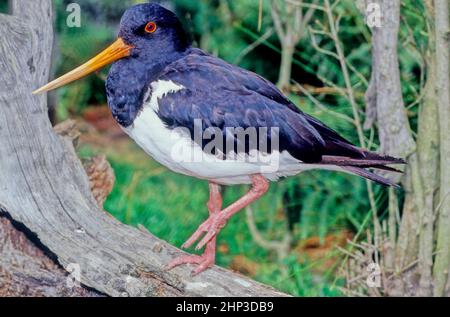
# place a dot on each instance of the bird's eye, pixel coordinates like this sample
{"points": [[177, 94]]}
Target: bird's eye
{"points": [[150, 27]]}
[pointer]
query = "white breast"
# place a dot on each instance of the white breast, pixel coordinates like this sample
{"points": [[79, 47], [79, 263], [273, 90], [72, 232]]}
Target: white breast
{"points": [[176, 150]]}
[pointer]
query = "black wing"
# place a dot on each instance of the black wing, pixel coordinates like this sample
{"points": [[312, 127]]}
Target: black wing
{"points": [[222, 95]]}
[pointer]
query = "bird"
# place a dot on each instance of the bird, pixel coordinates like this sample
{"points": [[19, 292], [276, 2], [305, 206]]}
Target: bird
{"points": [[203, 117]]}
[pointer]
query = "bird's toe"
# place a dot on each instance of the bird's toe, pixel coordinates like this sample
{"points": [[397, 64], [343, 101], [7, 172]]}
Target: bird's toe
{"points": [[204, 262], [211, 234], [204, 228], [183, 260]]}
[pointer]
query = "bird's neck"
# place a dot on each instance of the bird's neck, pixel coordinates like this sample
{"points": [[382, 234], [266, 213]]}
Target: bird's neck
{"points": [[129, 82]]}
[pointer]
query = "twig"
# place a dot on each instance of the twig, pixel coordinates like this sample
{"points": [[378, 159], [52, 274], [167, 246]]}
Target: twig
{"points": [[341, 58], [319, 105], [260, 15], [280, 247], [254, 45]]}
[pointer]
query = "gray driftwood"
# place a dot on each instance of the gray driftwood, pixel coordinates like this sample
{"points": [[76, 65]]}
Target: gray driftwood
{"points": [[44, 190]]}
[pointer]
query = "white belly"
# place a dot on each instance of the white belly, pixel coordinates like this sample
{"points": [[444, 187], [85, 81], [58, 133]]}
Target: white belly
{"points": [[176, 150]]}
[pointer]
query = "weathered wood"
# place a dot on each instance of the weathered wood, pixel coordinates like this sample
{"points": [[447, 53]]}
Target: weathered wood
{"points": [[27, 271], [44, 188]]}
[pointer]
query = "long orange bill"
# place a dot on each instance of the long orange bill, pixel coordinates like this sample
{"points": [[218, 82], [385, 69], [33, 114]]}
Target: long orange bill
{"points": [[113, 53]]}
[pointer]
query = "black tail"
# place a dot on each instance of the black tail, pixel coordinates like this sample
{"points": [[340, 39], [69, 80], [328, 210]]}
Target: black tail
{"points": [[371, 176], [340, 152], [359, 166]]}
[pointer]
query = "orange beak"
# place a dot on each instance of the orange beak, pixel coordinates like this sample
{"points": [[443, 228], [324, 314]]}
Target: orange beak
{"points": [[113, 53]]}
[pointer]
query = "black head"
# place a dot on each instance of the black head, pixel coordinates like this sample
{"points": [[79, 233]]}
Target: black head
{"points": [[157, 38], [150, 38], [152, 30]]}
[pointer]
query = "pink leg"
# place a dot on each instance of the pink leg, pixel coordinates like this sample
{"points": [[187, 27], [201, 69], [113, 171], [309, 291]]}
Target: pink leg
{"points": [[208, 258], [217, 221]]}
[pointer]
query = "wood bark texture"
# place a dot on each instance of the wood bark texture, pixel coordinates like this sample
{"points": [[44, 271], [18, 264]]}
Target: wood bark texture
{"points": [[442, 263]]}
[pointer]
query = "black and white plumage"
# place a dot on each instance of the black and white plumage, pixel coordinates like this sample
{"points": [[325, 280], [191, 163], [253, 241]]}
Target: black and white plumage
{"points": [[201, 87], [165, 93]]}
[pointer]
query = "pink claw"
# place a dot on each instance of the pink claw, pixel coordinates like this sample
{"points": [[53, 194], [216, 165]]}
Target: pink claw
{"points": [[204, 261]]}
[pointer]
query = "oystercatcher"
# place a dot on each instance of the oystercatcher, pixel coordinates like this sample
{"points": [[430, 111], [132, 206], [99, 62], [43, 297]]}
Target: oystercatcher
{"points": [[203, 117]]}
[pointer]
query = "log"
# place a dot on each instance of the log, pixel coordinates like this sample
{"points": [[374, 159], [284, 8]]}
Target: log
{"points": [[26, 270], [45, 192]]}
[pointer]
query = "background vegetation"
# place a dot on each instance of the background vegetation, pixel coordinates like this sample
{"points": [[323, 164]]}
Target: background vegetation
{"points": [[307, 219]]}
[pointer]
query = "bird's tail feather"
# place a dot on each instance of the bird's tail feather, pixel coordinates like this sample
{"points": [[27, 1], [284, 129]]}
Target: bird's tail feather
{"points": [[341, 153], [365, 162], [370, 175], [360, 166]]}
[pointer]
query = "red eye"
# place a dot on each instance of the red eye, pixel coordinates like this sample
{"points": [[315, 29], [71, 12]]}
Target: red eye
{"points": [[150, 27]]}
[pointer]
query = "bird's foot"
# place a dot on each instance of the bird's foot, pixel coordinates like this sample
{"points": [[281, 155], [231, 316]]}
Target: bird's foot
{"points": [[204, 261], [210, 229]]}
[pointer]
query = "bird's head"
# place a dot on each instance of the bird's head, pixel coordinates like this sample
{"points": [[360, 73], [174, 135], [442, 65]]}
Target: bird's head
{"points": [[148, 32], [150, 29]]}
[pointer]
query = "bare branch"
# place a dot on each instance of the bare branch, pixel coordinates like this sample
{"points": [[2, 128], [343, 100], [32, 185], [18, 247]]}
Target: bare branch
{"points": [[345, 72], [281, 248], [278, 22], [254, 45], [322, 107]]}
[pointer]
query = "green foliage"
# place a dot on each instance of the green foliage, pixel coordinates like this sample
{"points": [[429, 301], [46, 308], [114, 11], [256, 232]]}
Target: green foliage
{"points": [[3, 6], [80, 45]]}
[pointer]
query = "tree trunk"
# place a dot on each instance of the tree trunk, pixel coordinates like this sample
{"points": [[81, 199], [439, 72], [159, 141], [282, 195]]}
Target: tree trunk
{"points": [[395, 133], [385, 104], [287, 56], [45, 193], [428, 154], [442, 264]]}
